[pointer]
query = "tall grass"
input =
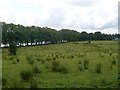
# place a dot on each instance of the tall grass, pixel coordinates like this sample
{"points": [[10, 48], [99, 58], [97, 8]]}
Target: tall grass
{"points": [[56, 67], [86, 64], [98, 67], [26, 75]]}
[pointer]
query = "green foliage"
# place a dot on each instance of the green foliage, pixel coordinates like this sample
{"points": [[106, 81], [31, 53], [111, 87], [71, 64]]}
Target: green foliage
{"points": [[12, 48], [30, 59], [34, 34], [77, 75], [86, 64], [4, 81], [36, 69], [80, 62], [98, 68], [113, 61], [81, 68], [26, 75], [14, 62], [33, 83], [56, 67], [18, 60]]}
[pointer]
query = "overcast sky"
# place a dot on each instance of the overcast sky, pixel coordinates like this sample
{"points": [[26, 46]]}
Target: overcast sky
{"points": [[80, 15]]}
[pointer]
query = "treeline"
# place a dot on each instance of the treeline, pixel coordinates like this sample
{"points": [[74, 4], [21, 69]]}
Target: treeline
{"points": [[33, 34]]}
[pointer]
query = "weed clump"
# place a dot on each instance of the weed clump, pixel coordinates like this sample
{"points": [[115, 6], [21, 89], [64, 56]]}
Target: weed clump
{"points": [[113, 62], [18, 60], [38, 59], [81, 68], [86, 63], [98, 68], [54, 58], [80, 62], [56, 67], [26, 75], [110, 53]]}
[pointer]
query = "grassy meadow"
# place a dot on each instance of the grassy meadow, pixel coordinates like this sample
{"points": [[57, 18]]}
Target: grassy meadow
{"points": [[67, 65]]}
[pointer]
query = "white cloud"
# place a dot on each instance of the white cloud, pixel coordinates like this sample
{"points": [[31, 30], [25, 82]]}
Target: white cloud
{"points": [[71, 14]]}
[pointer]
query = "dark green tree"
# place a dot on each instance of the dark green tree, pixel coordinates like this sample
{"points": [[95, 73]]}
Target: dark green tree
{"points": [[12, 48]]}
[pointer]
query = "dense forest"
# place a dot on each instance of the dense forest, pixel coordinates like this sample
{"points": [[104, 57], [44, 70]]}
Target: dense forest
{"points": [[32, 34]]}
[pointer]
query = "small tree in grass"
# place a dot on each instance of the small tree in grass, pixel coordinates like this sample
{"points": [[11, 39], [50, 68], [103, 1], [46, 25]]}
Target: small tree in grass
{"points": [[12, 48]]}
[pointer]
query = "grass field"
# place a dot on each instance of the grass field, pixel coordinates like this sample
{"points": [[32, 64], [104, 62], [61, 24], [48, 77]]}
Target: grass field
{"points": [[68, 65]]}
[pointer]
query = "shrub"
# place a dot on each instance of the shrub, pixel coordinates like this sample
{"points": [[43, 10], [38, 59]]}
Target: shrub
{"points": [[56, 67], [86, 63], [26, 75], [12, 48], [98, 68]]}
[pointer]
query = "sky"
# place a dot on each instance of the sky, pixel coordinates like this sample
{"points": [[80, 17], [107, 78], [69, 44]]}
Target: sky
{"points": [[79, 15]]}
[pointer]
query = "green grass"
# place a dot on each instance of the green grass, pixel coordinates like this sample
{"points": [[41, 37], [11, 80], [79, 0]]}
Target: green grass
{"points": [[71, 57]]}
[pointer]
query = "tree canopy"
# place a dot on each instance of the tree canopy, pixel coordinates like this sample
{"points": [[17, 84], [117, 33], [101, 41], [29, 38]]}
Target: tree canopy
{"points": [[33, 34]]}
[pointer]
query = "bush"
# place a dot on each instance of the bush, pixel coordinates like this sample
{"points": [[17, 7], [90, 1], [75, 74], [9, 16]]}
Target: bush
{"points": [[26, 75], [86, 63], [12, 48], [98, 68], [56, 67]]}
